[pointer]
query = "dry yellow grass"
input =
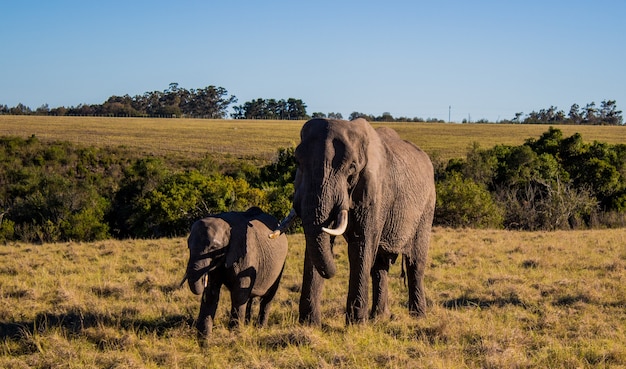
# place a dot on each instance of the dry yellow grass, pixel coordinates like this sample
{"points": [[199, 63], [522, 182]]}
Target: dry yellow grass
{"points": [[193, 138], [498, 299]]}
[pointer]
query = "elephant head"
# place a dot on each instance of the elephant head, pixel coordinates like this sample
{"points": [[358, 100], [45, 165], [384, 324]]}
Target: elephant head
{"points": [[332, 166], [210, 247]]}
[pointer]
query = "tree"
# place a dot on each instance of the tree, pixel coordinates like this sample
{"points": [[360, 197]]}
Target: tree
{"points": [[590, 113], [20, 109], [609, 114], [355, 115], [271, 109], [209, 102], [386, 117], [42, 110], [296, 109], [574, 114]]}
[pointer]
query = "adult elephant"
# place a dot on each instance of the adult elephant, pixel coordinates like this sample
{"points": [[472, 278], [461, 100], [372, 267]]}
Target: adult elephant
{"points": [[232, 249], [376, 190]]}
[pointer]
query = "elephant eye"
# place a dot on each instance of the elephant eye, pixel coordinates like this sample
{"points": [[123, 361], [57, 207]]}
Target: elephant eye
{"points": [[352, 171], [352, 168]]}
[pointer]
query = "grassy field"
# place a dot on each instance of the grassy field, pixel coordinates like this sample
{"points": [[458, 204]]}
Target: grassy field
{"points": [[497, 299], [260, 139]]}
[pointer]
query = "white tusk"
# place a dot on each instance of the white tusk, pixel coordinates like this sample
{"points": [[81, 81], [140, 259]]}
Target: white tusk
{"points": [[342, 224], [274, 235]]}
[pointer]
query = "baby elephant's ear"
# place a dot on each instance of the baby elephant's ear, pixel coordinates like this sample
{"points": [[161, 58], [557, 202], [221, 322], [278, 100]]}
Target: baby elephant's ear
{"points": [[238, 244]]}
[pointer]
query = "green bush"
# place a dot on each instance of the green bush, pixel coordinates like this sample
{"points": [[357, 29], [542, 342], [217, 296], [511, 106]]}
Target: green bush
{"points": [[461, 202], [548, 183], [59, 191], [7, 229]]}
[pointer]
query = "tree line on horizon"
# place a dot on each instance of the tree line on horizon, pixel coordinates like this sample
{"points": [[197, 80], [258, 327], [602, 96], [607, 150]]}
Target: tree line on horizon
{"points": [[590, 114], [213, 102]]}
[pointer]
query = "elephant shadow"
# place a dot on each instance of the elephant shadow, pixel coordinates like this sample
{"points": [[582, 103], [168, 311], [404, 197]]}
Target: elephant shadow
{"points": [[75, 322], [469, 302]]}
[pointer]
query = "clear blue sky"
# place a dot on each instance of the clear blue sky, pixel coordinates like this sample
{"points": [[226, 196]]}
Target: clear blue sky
{"points": [[485, 59]]}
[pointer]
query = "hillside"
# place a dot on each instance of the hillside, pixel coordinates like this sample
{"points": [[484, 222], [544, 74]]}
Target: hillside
{"points": [[260, 139]]}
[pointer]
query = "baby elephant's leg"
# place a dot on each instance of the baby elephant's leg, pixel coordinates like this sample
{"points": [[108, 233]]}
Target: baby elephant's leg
{"points": [[208, 307], [265, 302]]}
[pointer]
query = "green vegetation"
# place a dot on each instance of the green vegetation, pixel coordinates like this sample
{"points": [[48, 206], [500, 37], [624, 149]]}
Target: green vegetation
{"points": [[290, 109], [58, 191], [497, 299], [553, 182], [606, 115], [208, 102]]}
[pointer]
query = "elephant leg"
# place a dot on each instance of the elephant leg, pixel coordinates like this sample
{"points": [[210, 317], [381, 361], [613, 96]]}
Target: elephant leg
{"points": [[266, 300], [249, 310], [416, 265], [380, 283], [237, 313], [310, 297], [208, 307], [415, 277], [360, 267], [240, 299]]}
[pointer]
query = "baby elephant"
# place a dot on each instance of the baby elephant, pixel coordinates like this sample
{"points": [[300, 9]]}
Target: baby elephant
{"points": [[232, 249]]}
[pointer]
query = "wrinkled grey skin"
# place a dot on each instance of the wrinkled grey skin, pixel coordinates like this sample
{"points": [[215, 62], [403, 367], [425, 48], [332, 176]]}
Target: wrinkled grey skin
{"points": [[232, 249], [387, 186]]}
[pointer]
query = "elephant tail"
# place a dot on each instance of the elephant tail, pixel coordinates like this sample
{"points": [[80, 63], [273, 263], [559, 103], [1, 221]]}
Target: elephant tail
{"points": [[403, 268]]}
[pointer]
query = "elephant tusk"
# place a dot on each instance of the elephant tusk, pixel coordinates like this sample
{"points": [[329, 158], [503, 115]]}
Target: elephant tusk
{"points": [[274, 235], [284, 224], [342, 224], [183, 281]]}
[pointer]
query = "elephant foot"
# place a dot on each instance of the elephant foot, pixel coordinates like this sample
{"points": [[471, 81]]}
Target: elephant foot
{"points": [[352, 321], [203, 341], [417, 310], [204, 327], [310, 319], [202, 336], [310, 315], [380, 315], [356, 315]]}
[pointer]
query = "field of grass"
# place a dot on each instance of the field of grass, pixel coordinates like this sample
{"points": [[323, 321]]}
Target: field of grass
{"points": [[497, 299], [194, 138]]}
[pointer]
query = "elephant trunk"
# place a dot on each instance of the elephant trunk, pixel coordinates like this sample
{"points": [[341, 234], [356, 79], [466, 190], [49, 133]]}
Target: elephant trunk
{"points": [[196, 275], [197, 286], [323, 215], [319, 250]]}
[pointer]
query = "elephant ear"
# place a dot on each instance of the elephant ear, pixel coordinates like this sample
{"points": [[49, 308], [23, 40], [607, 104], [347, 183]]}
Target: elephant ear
{"points": [[238, 246]]}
